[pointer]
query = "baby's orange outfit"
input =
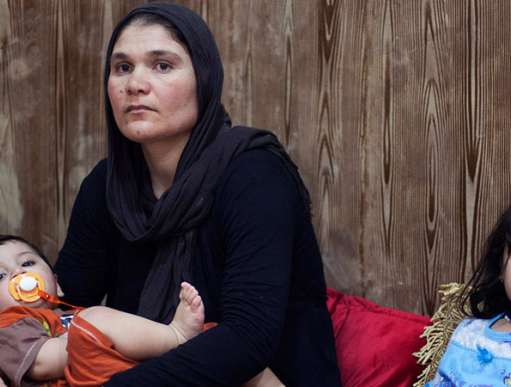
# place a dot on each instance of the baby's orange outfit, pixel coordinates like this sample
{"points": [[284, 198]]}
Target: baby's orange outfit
{"points": [[92, 360]]}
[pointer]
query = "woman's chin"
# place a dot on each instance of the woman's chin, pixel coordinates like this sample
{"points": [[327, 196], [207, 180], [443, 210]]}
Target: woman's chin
{"points": [[140, 131]]}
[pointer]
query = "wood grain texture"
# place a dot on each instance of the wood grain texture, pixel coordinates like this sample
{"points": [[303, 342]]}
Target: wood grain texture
{"points": [[396, 112], [29, 84]]}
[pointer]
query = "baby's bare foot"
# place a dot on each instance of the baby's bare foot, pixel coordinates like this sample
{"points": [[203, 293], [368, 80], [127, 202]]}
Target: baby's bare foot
{"points": [[189, 317]]}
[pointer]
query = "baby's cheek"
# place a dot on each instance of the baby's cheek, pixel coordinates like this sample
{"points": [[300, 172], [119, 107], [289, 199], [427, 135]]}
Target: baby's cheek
{"points": [[7, 301]]}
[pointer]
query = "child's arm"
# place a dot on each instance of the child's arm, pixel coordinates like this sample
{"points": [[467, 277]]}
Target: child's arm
{"points": [[50, 361]]}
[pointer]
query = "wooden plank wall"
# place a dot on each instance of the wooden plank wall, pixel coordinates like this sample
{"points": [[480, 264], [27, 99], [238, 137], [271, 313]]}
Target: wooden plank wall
{"points": [[396, 111]]}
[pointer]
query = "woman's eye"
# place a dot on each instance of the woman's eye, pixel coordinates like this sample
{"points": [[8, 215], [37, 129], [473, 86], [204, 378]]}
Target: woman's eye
{"points": [[163, 67], [28, 263], [2, 276], [122, 68]]}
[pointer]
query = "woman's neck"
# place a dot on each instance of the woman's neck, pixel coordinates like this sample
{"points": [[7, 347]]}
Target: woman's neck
{"points": [[162, 159]]}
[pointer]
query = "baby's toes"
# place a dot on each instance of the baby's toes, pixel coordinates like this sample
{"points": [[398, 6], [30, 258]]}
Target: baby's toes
{"points": [[188, 292], [196, 302]]}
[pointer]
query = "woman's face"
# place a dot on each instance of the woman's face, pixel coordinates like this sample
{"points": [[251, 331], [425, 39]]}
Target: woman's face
{"points": [[152, 85]]}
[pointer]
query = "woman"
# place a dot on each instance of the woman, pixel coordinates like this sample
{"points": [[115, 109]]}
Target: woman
{"points": [[182, 196]]}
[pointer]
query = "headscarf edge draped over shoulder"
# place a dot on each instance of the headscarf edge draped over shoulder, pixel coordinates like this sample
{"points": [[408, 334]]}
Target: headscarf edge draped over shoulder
{"points": [[171, 221]]}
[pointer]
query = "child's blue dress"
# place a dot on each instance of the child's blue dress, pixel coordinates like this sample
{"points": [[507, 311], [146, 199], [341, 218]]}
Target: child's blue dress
{"points": [[476, 355]]}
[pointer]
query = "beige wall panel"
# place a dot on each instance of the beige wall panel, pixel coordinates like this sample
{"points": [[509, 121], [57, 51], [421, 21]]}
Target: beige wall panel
{"points": [[396, 112]]}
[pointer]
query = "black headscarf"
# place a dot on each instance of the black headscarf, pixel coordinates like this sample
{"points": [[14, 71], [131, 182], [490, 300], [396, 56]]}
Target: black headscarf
{"points": [[170, 223]]}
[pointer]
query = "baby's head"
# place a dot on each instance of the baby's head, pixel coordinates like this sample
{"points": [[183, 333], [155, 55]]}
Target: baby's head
{"points": [[18, 256], [491, 282]]}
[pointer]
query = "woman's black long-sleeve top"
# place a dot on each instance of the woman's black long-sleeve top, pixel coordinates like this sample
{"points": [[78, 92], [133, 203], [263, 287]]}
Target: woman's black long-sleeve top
{"points": [[258, 270]]}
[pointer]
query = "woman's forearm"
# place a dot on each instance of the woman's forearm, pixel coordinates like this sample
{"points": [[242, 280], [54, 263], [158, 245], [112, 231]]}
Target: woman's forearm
{"points": [[217, 357]]}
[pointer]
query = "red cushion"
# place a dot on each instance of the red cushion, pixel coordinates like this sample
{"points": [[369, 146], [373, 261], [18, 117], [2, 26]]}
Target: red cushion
{"points": [[374, 344]]}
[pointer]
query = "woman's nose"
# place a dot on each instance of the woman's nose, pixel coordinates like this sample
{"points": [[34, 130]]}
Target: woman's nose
{"points": [[137, 83]]}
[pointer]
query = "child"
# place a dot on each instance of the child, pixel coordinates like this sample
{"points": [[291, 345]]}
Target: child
{"points": [[479, 351], [40, 343]]}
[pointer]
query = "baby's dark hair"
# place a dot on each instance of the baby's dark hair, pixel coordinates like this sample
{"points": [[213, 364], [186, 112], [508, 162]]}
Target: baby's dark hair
{"points": [[486, 292], [4, 238]]}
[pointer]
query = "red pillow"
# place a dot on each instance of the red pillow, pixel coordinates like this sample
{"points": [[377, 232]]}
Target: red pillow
{"points": [[374, 344]]}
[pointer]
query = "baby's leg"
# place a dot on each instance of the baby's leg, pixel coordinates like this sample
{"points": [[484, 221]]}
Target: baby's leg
{"points": [[139, 338]]}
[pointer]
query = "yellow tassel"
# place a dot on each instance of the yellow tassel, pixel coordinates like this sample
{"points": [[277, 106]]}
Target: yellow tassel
{"points": [[444, 322]]}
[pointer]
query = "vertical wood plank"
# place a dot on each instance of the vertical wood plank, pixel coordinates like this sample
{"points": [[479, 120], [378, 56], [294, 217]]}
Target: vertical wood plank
{"points": [[10, 196], [336, 145], [29, 79], [80, 132]]}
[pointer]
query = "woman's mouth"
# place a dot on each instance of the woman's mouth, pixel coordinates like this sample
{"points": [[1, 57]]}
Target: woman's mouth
{"points": [[138, 109]]}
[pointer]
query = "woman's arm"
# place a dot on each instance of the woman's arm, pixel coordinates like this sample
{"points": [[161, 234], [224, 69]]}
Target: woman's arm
{"points": [[82, 265], [257, 211], [50, 360]]}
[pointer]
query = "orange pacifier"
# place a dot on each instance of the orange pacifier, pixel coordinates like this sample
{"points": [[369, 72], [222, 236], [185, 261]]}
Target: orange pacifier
{"points": [[26, 287]]}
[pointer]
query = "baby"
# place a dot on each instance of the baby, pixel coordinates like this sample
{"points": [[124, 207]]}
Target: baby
{"points": [[41, 343]]}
